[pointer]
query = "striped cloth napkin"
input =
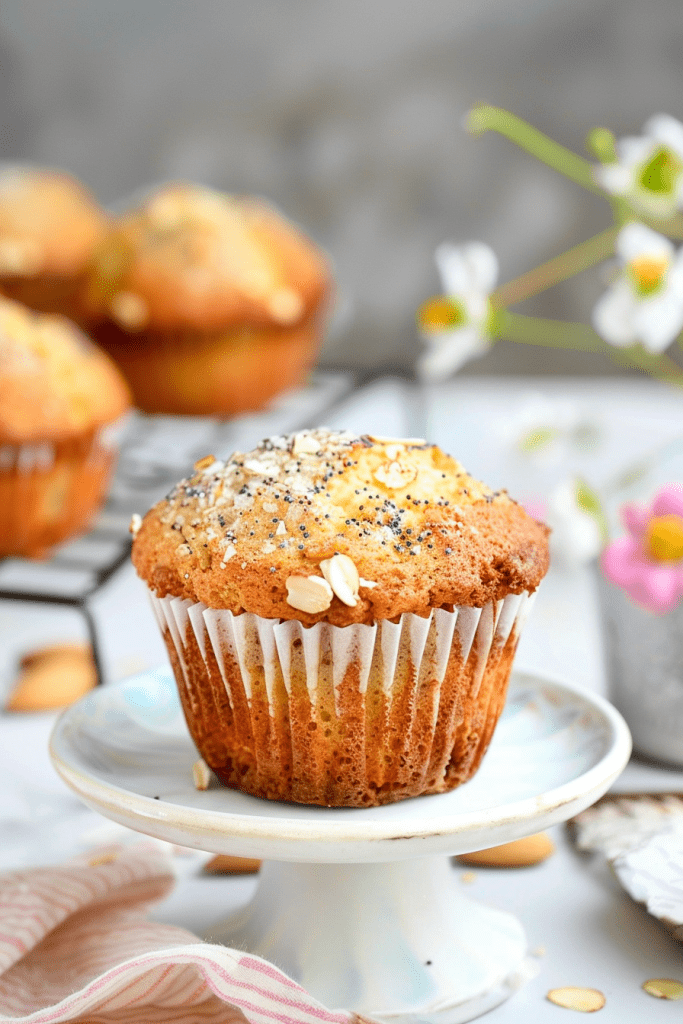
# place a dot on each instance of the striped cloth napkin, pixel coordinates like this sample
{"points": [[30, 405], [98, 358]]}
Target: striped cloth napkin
{"points": [[75, 945]]}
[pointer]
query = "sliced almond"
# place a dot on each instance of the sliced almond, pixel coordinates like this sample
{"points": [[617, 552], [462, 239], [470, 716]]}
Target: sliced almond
{"points": [[281, 528], [585, 1000], [368, 584], [342, 575], [135, 524], [521, 853], [222, 864], [305, 444], [129, 310], [205, 462], [201, 774], [394, 475], [310, 594], [664, 988]]}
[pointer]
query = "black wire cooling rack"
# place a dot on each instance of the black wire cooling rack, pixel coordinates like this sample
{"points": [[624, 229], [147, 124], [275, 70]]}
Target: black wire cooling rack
{"points": [[156, 452]]}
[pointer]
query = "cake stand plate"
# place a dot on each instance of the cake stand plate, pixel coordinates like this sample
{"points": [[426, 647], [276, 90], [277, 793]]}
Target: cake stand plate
{"points": [[361, 906]]}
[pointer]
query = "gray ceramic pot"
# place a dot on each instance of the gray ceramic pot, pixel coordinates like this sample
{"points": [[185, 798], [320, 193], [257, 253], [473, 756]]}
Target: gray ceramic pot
{"points": [[644, 654]]}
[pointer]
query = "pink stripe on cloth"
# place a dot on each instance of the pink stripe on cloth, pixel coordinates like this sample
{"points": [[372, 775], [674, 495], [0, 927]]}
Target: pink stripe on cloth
{"points": [[75, 942]]}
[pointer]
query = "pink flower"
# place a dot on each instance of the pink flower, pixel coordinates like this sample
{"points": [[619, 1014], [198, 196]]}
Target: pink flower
{"points": [[648, 563]]}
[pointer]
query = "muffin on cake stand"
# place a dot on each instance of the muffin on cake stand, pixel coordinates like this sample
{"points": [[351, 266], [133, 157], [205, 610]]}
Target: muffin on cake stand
{"points": [[359, 905]]}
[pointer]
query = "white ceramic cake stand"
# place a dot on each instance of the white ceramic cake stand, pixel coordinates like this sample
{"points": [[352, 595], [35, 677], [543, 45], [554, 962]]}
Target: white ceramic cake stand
{"points": [[361, 906]]}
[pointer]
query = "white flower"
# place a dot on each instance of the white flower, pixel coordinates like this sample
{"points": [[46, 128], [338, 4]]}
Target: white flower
{"points": [[645, 303], [549, 430], [573, 515], [649, 169], [454, 328]]}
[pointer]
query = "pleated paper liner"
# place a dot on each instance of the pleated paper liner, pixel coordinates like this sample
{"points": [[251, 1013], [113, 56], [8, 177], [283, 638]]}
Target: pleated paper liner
{"points": [[50, 491], [342, 716]]}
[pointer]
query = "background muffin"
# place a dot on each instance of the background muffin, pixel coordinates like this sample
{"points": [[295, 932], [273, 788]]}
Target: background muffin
{"points": [[341, 614], [50, 227], [209, 303], [60, 398]]}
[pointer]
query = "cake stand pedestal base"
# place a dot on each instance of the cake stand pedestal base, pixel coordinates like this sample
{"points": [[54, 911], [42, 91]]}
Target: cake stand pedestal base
{"points": [[397, 941]]}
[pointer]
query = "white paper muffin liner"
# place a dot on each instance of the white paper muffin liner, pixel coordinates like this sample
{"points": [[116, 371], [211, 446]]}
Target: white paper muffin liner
{"points": [[40, 456], [406, 662], [490, 626]]}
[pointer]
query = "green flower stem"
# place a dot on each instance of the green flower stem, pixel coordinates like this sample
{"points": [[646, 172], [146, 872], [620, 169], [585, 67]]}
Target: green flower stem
{"points": [[569, 263], [485, 118], [673, 227], [529, 330]]}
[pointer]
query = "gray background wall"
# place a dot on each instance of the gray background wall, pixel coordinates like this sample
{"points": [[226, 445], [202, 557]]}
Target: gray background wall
{"points": [[347, 114]]}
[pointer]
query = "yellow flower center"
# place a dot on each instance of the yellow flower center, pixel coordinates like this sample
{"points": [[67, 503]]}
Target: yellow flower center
{"points": [[648, 272], [665, 538], [441, 313]]}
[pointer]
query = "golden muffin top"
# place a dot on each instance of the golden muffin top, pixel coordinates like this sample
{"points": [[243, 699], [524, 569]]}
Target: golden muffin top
{"points": [[54, 383], [49, 223], [193, 258], [325, 525]]}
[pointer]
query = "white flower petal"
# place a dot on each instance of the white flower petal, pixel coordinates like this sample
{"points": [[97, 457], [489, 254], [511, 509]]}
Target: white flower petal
{"points": [[575, 537], [453, 269], [658, 320], [614, 313], [666, 130], [465, 268], [448, 351], [483, 264], [635, 239], [674, 279], [634, 149], [617, 179], [476, 306]]}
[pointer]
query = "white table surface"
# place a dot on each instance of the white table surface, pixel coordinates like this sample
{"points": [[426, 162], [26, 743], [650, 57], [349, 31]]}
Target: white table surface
{"points": [[591, 932]]}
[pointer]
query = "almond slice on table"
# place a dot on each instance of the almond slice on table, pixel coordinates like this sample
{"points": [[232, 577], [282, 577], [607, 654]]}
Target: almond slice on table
{"points": [[53, 677], [521, 853], [664, 988], [585, 1000], [222, 864]]}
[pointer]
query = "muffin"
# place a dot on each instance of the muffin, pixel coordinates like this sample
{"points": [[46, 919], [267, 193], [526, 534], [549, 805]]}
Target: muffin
{"points": [[209, 303], [61, 402], [50, 227], [341, 614]]}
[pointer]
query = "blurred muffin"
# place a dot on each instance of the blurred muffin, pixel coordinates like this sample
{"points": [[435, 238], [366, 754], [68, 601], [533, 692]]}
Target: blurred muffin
{"points": [[209, 303], [50, 227], [60, 401], [341, 614]]}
